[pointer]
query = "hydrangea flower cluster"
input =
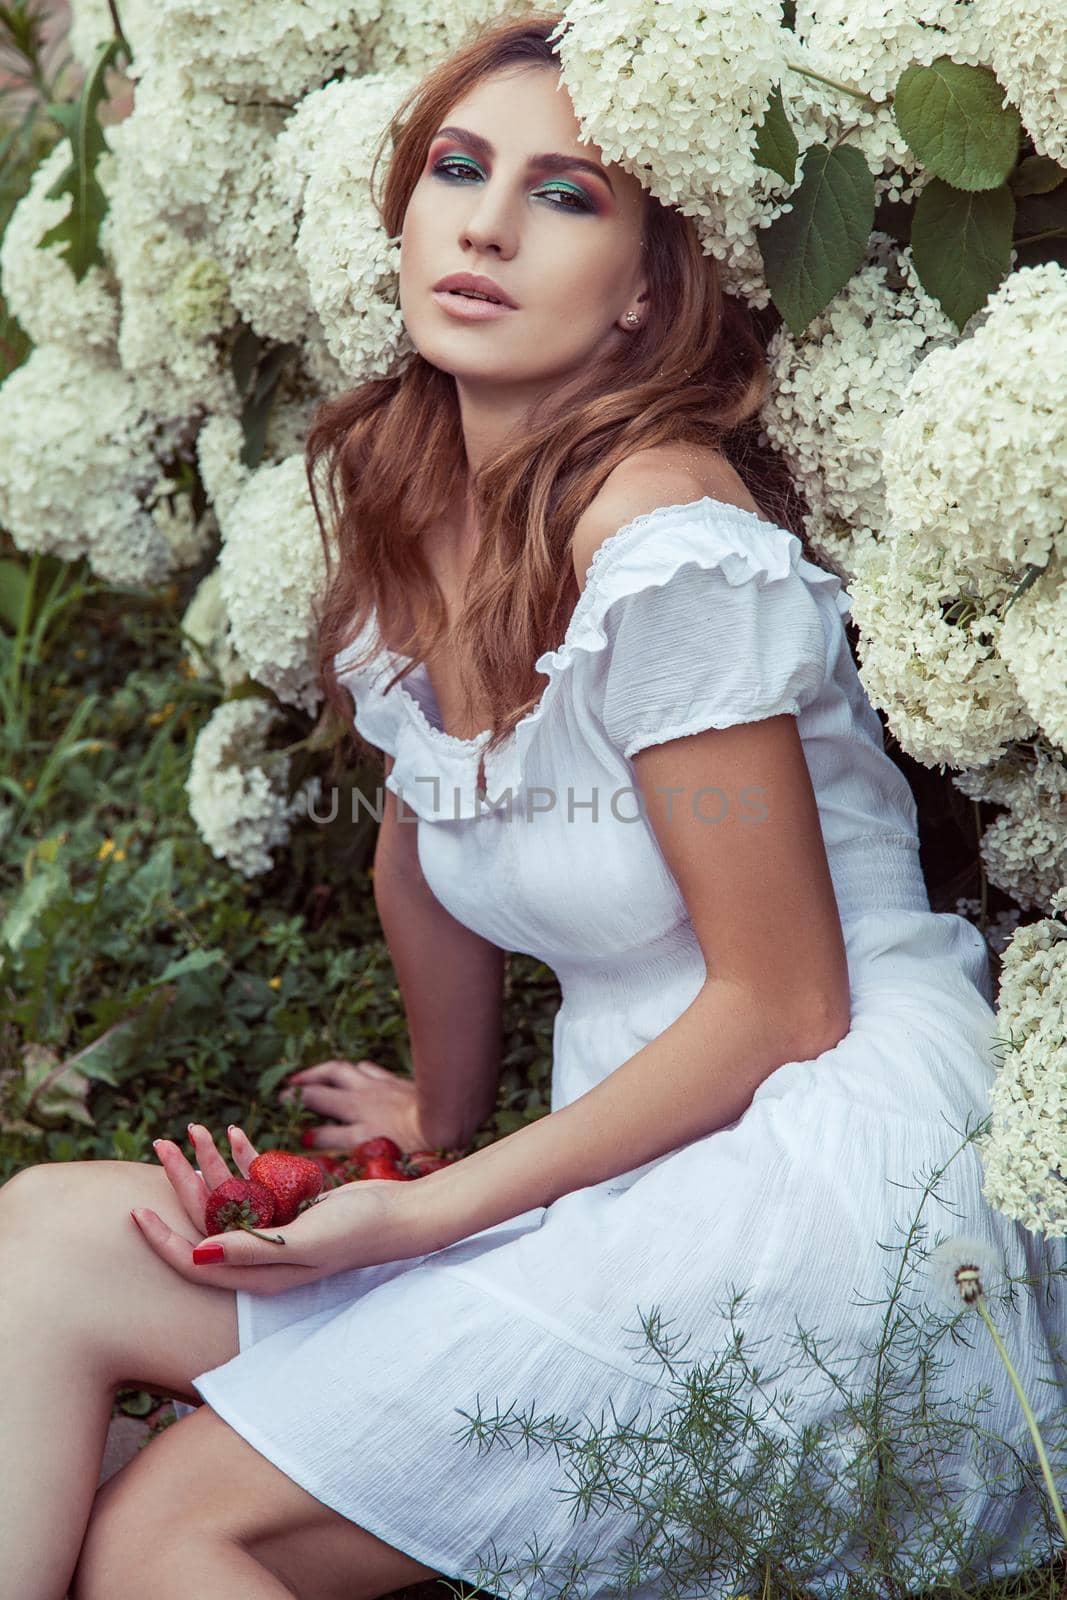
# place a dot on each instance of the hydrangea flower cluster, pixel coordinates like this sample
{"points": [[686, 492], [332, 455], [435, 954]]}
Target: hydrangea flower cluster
{"points": [[929, 658], [350, 267], [237, 786], [80, 415], [867, 46], [1027, 50], [1033, 642], [42, 292], [674, 94], [973, 460], [209, 643], [273, 569], [1024, 1154], [1025, 848], [834, 391]]}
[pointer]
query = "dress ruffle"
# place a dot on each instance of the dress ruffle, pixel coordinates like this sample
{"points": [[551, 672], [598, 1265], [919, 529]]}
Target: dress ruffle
{"points": [[645, 553]]}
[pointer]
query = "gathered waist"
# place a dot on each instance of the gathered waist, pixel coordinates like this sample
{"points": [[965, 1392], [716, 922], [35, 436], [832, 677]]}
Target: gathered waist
{"points": [[906, 951]]}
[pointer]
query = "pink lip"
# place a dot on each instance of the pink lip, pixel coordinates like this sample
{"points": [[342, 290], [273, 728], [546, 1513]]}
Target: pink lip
{"points": [[457, 305]]}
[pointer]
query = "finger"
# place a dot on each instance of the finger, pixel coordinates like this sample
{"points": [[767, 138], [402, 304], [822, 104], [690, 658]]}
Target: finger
{"points": [[187, 1184], [374, 1070], [328, 1102], [240, 1269], [244, 1151], [334, 1135], [322, 1072], [208, 1159]]}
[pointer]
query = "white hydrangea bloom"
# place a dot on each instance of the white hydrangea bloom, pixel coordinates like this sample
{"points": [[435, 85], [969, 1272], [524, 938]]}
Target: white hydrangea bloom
{"points": [[350, 264], [205, 167], [197, 301], [974, 461], [295, 402], [174, 354], [40, 289], [1024, 1153], [1033, 641], [252, 51], [949, 698], [237, 786], [222, 472], [868, 44], [1027, 45], [78, 465], [674, 94], [273, 573], [834, 390], [411, 34], [208, 625], [1025, 848]]}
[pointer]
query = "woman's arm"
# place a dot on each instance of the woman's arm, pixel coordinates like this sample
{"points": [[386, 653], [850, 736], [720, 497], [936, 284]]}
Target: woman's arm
{"points": [[761, 902], [451, 982]]}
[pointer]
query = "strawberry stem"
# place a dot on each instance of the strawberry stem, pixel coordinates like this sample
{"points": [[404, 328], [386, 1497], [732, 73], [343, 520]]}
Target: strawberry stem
{"points": [[270, 1238]]}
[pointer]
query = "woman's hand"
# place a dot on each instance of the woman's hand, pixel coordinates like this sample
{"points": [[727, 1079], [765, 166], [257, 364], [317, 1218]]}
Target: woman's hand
{"points": [[358, 1224], [365, 1100]]}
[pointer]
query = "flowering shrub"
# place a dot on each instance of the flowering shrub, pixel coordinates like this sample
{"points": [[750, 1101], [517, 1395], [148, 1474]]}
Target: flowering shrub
{"points": [[886, 179]]}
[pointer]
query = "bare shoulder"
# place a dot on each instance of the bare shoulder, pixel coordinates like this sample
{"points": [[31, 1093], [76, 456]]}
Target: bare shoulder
{"points": [[663, 475]]}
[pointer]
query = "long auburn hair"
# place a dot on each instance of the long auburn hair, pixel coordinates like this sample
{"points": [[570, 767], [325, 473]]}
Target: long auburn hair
{"points": [[390, 453]]}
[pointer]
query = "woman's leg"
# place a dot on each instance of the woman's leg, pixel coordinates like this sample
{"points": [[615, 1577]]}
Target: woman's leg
{"points": [[86, 1306]]}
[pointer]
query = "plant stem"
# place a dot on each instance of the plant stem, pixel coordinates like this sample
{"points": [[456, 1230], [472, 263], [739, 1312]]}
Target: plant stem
{"points": [[1031, 1422], [835, 83]]}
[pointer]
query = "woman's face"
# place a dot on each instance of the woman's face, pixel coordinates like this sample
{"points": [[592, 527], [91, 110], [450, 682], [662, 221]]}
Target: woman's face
{"points": [[562, 240]]}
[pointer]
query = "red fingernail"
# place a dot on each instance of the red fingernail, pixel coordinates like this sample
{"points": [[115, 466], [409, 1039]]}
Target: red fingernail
{"points": [[307, 1138], [205, 1254]]}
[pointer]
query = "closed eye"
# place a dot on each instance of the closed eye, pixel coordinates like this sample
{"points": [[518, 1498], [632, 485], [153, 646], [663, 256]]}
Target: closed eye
{"points": [[456, 168]]}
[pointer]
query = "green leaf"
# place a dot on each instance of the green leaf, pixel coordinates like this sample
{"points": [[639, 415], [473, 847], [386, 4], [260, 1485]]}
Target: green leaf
{"points": [[812, 251], [194, 961], [961, 245], [14, 585], [51, 1091], [243, 358], [953, 119], [79, 231], [135, 1402], [1036, 175], [121, 1050], [776, 144]]}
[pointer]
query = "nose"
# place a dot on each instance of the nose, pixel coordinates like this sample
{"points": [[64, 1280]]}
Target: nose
{"points": [[490, 225]]}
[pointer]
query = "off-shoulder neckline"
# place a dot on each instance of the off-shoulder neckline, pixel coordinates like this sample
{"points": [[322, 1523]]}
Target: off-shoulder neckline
{"points": [[606, 548]]}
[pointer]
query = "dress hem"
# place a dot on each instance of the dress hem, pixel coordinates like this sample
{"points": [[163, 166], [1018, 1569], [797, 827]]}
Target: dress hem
{"points": [[251, 1433]]}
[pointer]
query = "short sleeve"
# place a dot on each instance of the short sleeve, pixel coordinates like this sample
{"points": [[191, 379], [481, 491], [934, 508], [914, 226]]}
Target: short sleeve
{"points": [[377, 711], [704, 643]]}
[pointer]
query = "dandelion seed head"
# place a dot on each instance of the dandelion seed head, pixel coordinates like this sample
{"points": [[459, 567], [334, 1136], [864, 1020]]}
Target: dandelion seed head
{"points": [[960, 1270]]}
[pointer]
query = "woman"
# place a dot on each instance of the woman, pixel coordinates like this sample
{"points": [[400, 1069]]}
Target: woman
{"points": [[765, 1031]]}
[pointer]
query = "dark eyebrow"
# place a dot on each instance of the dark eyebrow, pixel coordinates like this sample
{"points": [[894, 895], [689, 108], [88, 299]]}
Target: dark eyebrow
{"points": [[554, 161]]}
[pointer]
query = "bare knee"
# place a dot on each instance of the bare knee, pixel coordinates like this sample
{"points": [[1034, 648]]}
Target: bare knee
{"points": [[66, 1236]]}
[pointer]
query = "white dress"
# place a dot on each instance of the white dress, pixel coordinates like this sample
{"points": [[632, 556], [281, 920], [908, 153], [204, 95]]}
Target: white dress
{"points": [[362, 1387]]}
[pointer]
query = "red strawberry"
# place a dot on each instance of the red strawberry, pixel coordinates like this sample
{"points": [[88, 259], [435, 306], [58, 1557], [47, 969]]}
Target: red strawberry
{"points": [[239, 1203], [379, 1167], [293, 1180], [424, 1161], [380, 1146]]}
